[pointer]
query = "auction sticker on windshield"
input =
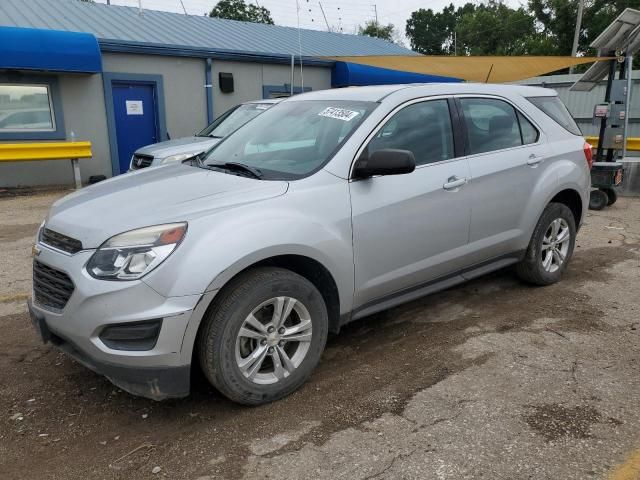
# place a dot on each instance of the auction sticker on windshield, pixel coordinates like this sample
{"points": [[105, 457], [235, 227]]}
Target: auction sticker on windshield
{"points": [[339, 113]]}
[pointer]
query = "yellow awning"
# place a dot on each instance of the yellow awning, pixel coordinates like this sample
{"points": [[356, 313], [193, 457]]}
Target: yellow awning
{"points": [[473, 69]]}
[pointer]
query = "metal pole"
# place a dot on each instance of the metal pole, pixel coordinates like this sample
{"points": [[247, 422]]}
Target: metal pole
{"points": [[293, 68], [75, 164], [627, 103], [325, 17], [375, 8], [576, 35], [607, 98]]}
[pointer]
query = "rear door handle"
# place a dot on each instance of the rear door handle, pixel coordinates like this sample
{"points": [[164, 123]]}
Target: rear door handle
{"points": [[454, 182], [533, 160]]}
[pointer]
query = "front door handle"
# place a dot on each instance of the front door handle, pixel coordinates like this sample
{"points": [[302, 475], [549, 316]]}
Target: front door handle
{"points": [[454, 183], [533, 160]]}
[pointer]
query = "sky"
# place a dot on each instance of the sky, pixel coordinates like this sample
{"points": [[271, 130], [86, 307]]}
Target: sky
{"points": [[341, 16]]}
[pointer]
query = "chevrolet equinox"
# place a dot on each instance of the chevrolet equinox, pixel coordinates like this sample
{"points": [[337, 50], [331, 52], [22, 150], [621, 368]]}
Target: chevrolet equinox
{"points": [[326, 208]]}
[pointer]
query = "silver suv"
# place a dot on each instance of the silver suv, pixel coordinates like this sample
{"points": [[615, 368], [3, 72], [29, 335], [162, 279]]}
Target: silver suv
{"points": [[324, 209], [179, 149]]}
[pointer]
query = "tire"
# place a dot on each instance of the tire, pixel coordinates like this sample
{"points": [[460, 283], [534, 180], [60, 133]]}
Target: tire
{"points": [[536, 268], [612, 195], [224, 348], [598, 199]]}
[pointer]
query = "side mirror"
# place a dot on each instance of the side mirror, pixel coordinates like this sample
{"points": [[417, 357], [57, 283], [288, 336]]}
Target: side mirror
{"points": [[385, 162]]}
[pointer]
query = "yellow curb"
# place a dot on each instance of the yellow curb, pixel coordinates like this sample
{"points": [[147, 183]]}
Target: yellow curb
{"points": [[14, 298], [629, 469]]}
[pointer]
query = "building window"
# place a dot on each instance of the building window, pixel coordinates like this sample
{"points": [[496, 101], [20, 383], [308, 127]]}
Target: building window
{"points": [[29, 109], [26, 108]]}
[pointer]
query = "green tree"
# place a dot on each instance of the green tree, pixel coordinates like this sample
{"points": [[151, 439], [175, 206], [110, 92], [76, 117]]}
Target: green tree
{"points": [[238, 10], [494, 28], [372, 28], [558, 21], [490, 28], [433, 33]]}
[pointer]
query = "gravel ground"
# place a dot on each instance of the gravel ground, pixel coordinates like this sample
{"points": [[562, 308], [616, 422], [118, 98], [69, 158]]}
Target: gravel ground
{"points": [[493, 379]]}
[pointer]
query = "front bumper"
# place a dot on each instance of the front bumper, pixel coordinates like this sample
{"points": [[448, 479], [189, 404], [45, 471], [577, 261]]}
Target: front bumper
{"points": [[156, 383], [160, 372]]}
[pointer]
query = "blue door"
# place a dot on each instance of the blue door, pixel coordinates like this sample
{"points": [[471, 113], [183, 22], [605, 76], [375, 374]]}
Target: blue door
{"points": [[136, 118]]}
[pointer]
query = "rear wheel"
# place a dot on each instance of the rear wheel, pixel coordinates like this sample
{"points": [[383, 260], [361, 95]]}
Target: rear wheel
{"points": [[598, 199], [264, 336], [551, 246], [612, 195]]}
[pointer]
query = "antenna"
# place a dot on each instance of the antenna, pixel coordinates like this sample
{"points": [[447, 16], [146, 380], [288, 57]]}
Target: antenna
{"points": [[300, 46], [185, 10], [375, 9], [325, 17]]}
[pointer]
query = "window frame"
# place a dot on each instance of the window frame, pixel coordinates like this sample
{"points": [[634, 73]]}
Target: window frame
{"points": [[55, 105], [463, 124], [454, 116]]}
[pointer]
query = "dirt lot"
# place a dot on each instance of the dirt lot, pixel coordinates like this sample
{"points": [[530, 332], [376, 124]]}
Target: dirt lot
{"points": [[493, 379]]}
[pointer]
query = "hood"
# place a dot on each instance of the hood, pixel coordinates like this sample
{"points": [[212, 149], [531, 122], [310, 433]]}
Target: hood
{"points": [[179, 145], [150, 197]]}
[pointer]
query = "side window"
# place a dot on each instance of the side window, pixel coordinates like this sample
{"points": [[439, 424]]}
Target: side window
{"points": [[423, 128], [491, 124], [529, 132]]}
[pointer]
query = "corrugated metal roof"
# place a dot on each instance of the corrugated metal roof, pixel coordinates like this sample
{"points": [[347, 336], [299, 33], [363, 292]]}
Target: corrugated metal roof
{"points": [[116, 24]]}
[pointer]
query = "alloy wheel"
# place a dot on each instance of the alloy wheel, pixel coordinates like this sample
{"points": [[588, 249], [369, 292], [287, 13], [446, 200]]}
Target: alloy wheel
{"points": [[273, 340], [555, 245]]}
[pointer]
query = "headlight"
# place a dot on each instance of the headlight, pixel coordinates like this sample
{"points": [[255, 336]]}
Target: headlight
{"points": [[131, 255], [177, 158]]}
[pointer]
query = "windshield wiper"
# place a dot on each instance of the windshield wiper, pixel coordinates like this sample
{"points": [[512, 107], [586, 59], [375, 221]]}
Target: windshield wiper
{"points": [[238, 167]]}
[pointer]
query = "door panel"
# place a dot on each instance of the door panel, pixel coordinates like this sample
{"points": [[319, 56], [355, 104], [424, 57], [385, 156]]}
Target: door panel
{"points": [[135, 112], [414, 228], [504, 173], [407, 229]]}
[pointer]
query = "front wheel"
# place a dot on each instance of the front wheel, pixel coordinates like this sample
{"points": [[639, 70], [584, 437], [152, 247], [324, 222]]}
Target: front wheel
{"points": [[264, 336], [551, 246]]}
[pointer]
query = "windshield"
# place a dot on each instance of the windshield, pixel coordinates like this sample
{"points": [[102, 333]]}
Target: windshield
{"points": [[292, 139], [233, 119]]}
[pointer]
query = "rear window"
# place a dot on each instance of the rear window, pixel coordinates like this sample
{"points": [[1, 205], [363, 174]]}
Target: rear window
{"points": [[554, 108]]}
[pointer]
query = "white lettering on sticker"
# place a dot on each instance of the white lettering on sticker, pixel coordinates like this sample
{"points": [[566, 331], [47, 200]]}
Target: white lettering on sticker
{"points": [[339, 113]]}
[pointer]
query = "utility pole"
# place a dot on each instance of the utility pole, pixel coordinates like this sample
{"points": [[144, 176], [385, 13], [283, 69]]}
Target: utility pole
{"points": [[325, 17], [375, 9], [576, 35], [455, 43]]}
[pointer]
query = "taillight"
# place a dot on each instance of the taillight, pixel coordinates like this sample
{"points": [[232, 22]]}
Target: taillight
{"points": [[588, 154]]}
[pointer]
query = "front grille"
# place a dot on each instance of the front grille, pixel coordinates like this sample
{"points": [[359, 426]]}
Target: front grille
{"points": [[60, 241], [51, 287], [141, 161]]}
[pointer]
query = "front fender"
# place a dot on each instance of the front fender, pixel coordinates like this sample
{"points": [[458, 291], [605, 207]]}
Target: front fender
{"points": [[312, 222]]}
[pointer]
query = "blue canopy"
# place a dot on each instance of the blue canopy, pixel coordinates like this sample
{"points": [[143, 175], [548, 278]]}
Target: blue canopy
{"points": [[347, 74], [49, 50]]}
